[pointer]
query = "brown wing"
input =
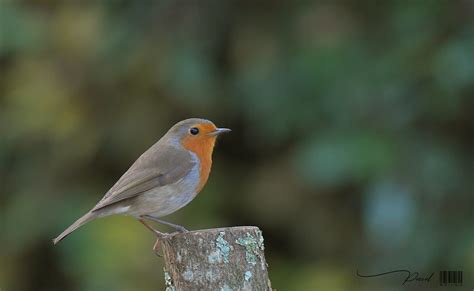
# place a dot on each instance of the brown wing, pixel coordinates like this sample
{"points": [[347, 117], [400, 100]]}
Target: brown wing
{"points": [[157, 167]]}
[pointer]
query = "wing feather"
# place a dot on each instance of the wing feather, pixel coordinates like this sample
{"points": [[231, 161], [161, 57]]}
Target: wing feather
{"points": [[157, 167]]}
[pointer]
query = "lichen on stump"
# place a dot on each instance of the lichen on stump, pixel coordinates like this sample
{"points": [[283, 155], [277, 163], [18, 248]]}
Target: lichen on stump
{"points": [[216, 259]]}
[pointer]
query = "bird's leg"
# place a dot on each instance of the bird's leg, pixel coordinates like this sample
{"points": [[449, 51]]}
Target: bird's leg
{"points": [[175, 226], [160, 235]]}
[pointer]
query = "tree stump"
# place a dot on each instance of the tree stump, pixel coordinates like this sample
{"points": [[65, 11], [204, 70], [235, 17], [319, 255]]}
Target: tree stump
{"points": [[216, 259]]}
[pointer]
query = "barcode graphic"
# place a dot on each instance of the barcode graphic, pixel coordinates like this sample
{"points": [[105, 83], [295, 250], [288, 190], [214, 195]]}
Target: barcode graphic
{"points": [[450, 278]]}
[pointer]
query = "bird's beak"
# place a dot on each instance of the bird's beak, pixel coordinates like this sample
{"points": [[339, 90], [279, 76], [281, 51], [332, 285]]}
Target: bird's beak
{"points": [[218, 131]]}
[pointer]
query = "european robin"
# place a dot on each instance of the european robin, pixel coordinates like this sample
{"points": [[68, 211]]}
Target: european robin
{"points": [[163, 179]]}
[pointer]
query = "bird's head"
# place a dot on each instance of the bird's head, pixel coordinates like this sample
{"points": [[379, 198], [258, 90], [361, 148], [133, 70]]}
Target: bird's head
{"points": [[197, 135]]}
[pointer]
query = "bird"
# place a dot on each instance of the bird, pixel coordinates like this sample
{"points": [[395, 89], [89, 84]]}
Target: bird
{"points": [[165, 178]]}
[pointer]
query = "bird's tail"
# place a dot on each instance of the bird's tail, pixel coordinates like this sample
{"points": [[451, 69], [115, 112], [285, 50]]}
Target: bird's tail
{"points": [[81, 221]]}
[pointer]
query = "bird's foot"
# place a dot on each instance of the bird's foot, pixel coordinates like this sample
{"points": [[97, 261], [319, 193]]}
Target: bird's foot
{"points": [[180, 228], [160, 237], [157, 248], [159, 234]]}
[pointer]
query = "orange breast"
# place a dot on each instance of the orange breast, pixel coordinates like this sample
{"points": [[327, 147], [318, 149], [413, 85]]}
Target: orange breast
{"points": [[203, 148]]}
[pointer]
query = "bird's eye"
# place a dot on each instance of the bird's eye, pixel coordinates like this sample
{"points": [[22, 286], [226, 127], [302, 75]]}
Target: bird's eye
{"points": [[194, 130]]}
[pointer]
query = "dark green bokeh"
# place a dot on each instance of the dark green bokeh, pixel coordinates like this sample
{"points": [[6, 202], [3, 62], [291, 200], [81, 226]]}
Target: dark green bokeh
{"points": [[352, 142]]}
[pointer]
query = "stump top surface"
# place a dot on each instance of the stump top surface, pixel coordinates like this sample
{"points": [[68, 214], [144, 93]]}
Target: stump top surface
{"points": [[215, 230]]}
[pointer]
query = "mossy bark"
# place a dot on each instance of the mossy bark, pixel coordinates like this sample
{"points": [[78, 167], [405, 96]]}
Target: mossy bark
{"points": [[216, 259]]}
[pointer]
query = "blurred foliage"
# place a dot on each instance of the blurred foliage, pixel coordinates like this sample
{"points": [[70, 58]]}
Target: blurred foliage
{"points": [[352, 142]]}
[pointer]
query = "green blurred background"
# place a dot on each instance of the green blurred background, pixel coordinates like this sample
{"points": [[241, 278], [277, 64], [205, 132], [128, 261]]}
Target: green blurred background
{"points": [[352, 142]]}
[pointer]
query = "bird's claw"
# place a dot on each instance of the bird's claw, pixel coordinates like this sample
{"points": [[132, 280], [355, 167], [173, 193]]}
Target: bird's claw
{"points": [[157, 247]]}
